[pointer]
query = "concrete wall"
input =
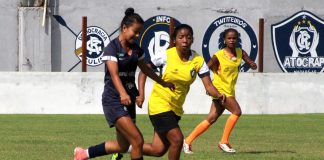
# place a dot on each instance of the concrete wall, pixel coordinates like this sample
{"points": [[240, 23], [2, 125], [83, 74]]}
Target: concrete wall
{"points": [[34, 40], [80, 93], [9, 35], [107, 14], [199, 14]]}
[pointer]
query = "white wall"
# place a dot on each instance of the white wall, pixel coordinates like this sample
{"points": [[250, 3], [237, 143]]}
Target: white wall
{"points": [[80, 93], [9, 35], [108, 14], [34, 40]]}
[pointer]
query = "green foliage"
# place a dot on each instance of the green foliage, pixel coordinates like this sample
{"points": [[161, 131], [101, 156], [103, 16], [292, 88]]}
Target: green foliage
{"points": [[268, 137]]}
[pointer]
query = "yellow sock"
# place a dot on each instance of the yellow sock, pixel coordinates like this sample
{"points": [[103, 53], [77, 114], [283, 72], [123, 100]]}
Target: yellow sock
{"points": [[200, 128], [231, 121]]}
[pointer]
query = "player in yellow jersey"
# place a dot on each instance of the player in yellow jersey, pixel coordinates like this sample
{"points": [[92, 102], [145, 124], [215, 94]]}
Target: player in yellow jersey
{"points": [[181, 66], [225, 66]]}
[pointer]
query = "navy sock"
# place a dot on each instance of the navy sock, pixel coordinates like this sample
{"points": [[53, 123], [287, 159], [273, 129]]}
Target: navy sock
{"points": [[96, 151]]}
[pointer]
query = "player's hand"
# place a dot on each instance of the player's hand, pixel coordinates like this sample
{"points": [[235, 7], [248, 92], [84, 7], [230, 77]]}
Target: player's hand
{"points": [[125, 99], [222, 99], [140, 101], [253, 66], [170, 85]]}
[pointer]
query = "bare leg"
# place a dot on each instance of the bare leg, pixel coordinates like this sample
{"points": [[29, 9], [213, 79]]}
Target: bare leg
{"points": [[127, 133], [162, 142], [119, 146], [175, 138], [216, 110], [232, 106], [158, 147]]}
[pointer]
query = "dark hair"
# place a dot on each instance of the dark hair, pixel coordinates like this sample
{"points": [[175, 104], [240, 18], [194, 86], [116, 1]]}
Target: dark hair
{"points": [[230, 30], [221, 43], [130, 18], [179, 27]]}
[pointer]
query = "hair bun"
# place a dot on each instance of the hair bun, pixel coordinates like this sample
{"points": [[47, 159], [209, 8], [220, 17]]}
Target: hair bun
{"points": [[129, 11]]}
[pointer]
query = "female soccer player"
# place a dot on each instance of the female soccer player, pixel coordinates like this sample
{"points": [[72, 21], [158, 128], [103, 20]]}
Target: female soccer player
{"points": [[122, 57], [225, 66], [181, 66]]}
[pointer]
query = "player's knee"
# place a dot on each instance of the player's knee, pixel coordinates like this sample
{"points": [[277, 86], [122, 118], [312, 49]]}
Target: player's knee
{"points": [[124, 149], [138, 142], [159, 152], [237, 112], [177, 141], [212, 118]]}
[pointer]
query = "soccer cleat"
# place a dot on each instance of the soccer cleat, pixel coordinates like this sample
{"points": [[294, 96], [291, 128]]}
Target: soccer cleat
{"points": [[117, 156], [187, 148], [226, 148], [80, 154]]}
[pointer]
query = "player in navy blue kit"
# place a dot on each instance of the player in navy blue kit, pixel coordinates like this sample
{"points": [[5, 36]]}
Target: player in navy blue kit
{"points": [[122, 56]]}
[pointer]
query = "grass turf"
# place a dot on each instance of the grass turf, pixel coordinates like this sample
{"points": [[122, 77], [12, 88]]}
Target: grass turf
{"points": [[40, 137]]}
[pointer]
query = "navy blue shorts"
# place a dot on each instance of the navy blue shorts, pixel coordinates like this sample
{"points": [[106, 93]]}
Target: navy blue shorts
{"points": [[113, 109], [165, 121]]}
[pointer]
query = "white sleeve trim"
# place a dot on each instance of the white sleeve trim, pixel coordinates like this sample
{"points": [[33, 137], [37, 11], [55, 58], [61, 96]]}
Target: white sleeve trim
{"points": [[204, 69], [109, 58]]}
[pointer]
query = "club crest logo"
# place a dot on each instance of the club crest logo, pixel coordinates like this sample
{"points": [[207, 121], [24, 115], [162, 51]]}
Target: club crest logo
{"points": [[193, 72], [97, 40], [296, 43], [214, 38], [155, 38]]}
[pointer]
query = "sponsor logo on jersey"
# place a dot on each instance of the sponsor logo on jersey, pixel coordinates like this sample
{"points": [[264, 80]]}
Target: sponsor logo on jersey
{"points": [[97, 40], [296, 43], [214, 38]]}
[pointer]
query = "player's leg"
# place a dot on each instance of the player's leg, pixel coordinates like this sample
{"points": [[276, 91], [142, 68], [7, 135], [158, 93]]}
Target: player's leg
{"points": [[133, 136], [131, 111], [235, 109], [126, 131], [216, 110], [158, 147], [162, 142], [175, 138], [108, 147], [166, 136]]}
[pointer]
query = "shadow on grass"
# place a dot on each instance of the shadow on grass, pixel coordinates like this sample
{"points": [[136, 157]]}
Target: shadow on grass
{"points": [[264, 152]]}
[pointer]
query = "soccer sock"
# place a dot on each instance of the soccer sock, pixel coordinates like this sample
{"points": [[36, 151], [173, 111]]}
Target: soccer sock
{"points": [[200, 128], [96, 151], [231, 121]]}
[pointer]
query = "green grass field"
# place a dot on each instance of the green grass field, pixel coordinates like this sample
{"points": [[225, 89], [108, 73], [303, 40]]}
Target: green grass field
{"points": [[45, 137]]}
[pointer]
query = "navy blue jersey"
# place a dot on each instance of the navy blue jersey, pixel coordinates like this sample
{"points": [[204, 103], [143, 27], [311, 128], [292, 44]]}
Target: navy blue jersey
{"points": [[127, 65]]}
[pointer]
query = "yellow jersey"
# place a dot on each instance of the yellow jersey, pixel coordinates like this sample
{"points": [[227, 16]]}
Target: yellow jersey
{"points": [[182, 74], [226, 75]]}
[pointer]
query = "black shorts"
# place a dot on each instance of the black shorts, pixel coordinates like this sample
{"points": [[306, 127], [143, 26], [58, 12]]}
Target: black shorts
{"points": [[113, 109], [165, 121]]}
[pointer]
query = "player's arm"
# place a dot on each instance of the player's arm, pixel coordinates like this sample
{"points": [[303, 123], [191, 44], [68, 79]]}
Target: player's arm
{"points": [[113, 70], [213, 63], [248, 60], [141, 88], [150, 73], [204, 74], [211, 90]]}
